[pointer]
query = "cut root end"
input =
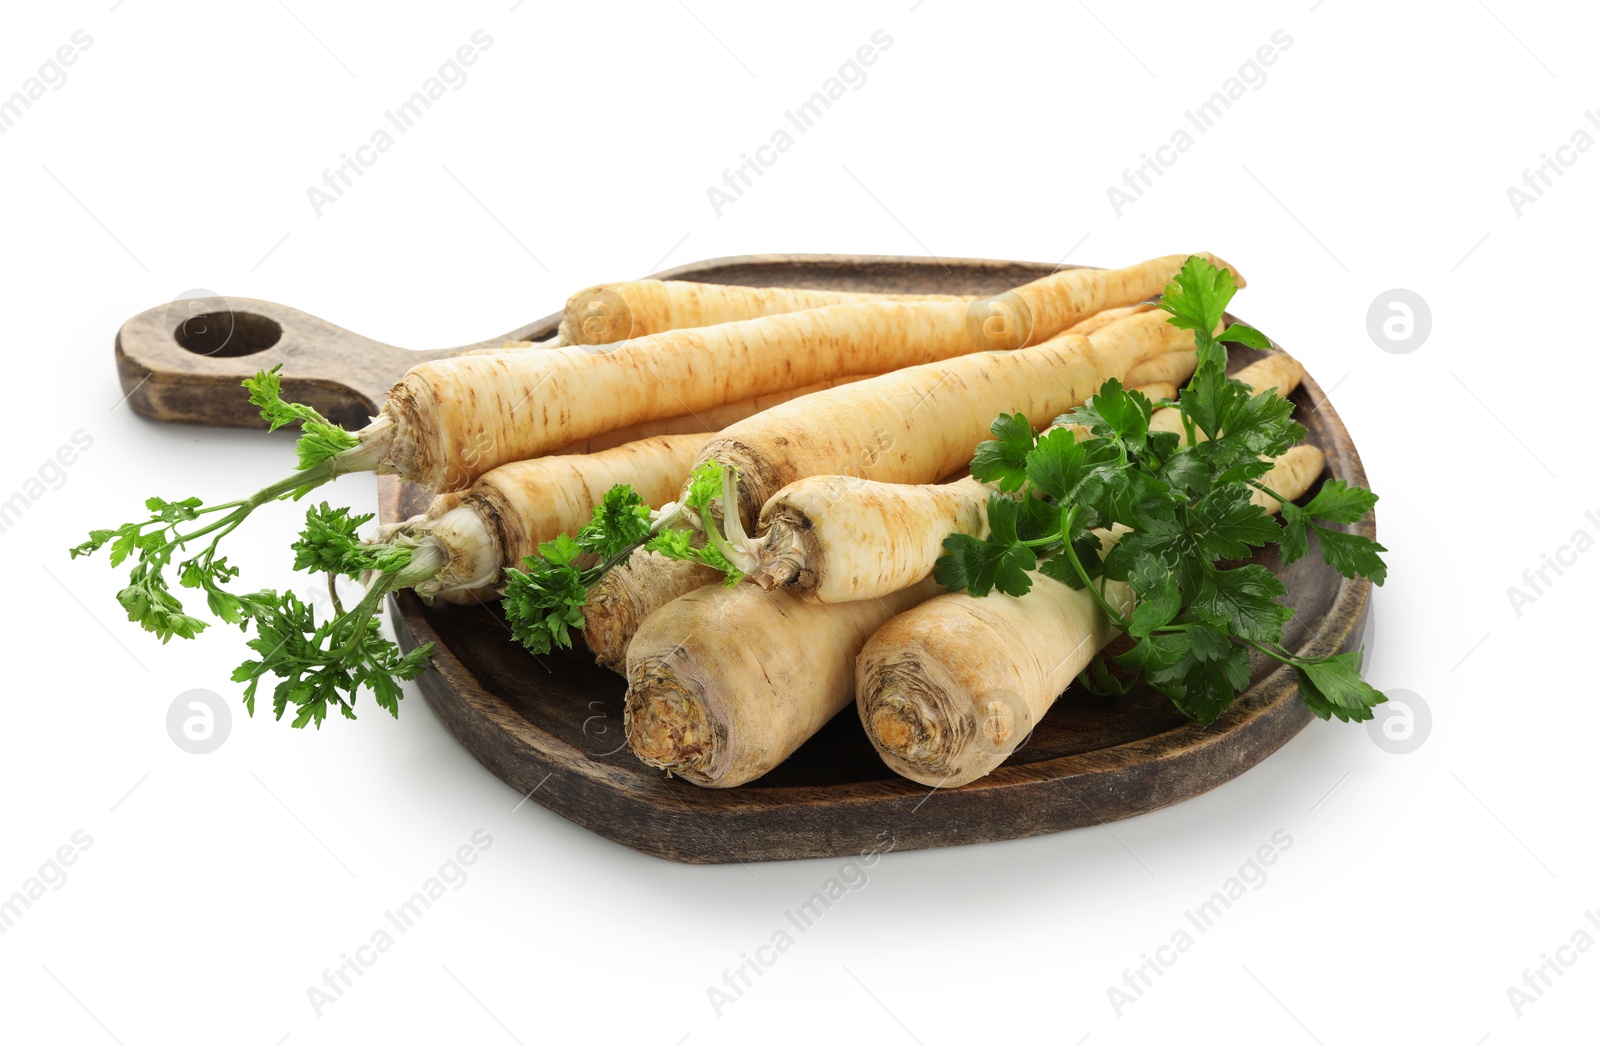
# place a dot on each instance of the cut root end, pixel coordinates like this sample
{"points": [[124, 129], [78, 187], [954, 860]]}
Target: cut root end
{"points": [[904, 726], [668, 729]]}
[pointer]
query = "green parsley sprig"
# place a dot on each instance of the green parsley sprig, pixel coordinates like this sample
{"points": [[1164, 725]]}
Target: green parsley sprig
{"points": [[322, 666], [322, 452], [1187, 506], [544, 600]]}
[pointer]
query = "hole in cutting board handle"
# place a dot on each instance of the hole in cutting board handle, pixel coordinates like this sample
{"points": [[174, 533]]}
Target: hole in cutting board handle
{"points": [[227, 333]]}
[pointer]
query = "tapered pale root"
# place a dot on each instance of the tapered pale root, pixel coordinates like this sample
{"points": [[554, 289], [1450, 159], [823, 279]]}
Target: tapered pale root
{"points": [[947, 690], [1064, 298], [631, 592], [513, 509], [831, 538], [1291, 476], [1156, 390], [920, 424], [1110, 315], [613, 312], [456, 418], [711, 419], [1172, 368], [837, 538]]}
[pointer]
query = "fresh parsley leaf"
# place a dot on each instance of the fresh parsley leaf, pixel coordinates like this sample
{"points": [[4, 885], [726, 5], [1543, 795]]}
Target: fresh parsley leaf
{"points": [[1121, 414], [1159, 599], [320, 438], [999, 563], [705, 486], [1242, 601], [544, 600], [329, 544], [1157, 653], [323, 666], [1208, 398], [621, 521], [1002, 460], [1098, 679], [1340, 503], [1057, 463], [1198, 295], [1208, 687], [1228, 524], [1353, 555], [1248, 336], [1260, 423], [1337, 502], [1333, 686], [681, 544]]}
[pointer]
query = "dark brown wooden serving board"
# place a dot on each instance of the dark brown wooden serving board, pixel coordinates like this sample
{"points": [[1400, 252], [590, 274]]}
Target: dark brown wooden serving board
{"points": [[551, 727]]}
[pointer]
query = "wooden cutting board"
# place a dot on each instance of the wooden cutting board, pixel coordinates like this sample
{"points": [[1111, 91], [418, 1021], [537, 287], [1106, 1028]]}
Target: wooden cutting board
{"points": [[551, 727]]}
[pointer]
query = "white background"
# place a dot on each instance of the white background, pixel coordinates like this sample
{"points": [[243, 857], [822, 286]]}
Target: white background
{"points": [[1376, 155]]}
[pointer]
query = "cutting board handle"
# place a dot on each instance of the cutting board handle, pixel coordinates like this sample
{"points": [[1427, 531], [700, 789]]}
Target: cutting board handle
{"points": [[183, 361]]}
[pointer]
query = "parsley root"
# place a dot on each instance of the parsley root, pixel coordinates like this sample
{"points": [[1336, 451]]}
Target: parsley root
{"points": [[627, 595], [619, 311], [835, 538], [724, 683], [948, 689], [449, 420], [711, 419], [509, 512], [919, 424], [1171, 368], [1106, 317]]}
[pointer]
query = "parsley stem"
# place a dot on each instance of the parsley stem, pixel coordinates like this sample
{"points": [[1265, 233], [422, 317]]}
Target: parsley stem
{"points": [[1269, 491], [1280, 654], [308, 479], [1068, 518]]}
